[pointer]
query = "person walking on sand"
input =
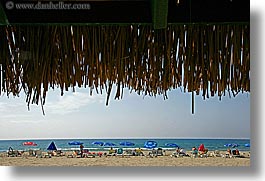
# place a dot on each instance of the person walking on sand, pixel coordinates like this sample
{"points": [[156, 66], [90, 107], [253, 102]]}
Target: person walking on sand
{"points": [[81, 149]]}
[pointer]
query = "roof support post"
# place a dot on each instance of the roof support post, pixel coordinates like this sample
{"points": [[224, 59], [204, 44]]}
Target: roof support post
{"points": [[159, 13], [3, 18]]}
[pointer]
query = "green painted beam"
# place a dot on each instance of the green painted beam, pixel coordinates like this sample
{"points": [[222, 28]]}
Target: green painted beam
{"points": [[159, 13], [3, 18]]}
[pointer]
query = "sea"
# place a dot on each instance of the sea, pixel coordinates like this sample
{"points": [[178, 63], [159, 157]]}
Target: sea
{"points": [[62, 144]]}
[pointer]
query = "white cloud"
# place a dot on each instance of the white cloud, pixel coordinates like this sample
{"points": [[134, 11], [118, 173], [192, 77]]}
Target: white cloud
{"points": [[12, 108], [71, 103]]}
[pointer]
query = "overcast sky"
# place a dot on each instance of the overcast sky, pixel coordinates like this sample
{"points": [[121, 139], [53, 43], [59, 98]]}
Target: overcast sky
{"points": [[79, 115]]}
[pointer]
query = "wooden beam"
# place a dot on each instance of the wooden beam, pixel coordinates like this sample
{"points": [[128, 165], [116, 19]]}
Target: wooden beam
{"points": [[159, 13]]}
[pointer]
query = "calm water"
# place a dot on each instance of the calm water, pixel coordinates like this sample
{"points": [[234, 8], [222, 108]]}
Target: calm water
{"points": [[211, 144]]}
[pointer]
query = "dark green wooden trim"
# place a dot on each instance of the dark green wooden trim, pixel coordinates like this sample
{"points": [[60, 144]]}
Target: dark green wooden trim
{"points": [[3, 17], [159, 13], [122, 24]]}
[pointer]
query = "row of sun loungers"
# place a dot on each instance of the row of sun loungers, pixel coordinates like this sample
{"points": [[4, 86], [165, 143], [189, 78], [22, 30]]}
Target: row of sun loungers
{"points": [[119, 152]]}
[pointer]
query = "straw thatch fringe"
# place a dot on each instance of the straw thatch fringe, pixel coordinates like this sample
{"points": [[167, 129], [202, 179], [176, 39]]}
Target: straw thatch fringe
{"points": [[211, 59]]}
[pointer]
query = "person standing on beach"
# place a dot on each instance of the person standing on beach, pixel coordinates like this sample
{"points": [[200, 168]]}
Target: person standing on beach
{"points": [[81, 149]]}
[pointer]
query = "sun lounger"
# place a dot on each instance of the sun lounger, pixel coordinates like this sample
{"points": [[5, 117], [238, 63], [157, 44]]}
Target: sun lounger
{"points": [[203, 154], [153, 153], [13, 153], [56, 153], [139, 152], [128, 153], [194, 153], [88, 154], [119, 152], [32, 153], [236, 154], [38, 154], [159, 152], [99, 154], [74, 154], [178, 154], [217, 153], [112, 152]]}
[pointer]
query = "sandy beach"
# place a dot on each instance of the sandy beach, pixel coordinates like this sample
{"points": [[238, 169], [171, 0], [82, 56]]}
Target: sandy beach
{"points": [[165, 160]]}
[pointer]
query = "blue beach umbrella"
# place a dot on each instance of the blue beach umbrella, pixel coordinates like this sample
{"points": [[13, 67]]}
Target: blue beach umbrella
{"points": [[234, 145], [99, 143], [52, 146], [228, 145], [171, 145], [75, 143], [107, 144], [126, 143], [247, 145], [150, 144]]}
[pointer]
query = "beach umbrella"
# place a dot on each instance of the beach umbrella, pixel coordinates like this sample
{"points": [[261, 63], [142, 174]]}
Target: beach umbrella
{"points": [[29, 143], [247, 145], [231, 145], [126, 143], [228, 145], [99, 143], [234, 145], [171, 145], [201, 147], [52, 146], [75, 143], [109, 144], [150, 144]]}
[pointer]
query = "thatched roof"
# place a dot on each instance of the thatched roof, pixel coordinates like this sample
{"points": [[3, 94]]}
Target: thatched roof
{"points": [[207, 58], [211, 59]]}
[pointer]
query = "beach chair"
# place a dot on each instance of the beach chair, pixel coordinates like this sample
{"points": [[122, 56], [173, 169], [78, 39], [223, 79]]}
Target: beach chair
{"points": [[13, 153], [139, 152], [159, 152], [112, 152], [99, 154], [203, 154], [88, 154], [236, 154], [152, 153], [38, 153], [78, 154], [17, 153], [175, 154], [73, 154], [217, 153], [194, 153], [179, 154], [128, 153], [119, 152], [59, 153], [32, 153]]}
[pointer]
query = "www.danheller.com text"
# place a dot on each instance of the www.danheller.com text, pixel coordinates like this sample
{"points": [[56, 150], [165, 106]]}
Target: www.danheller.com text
{"points": [[42, 5]]}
